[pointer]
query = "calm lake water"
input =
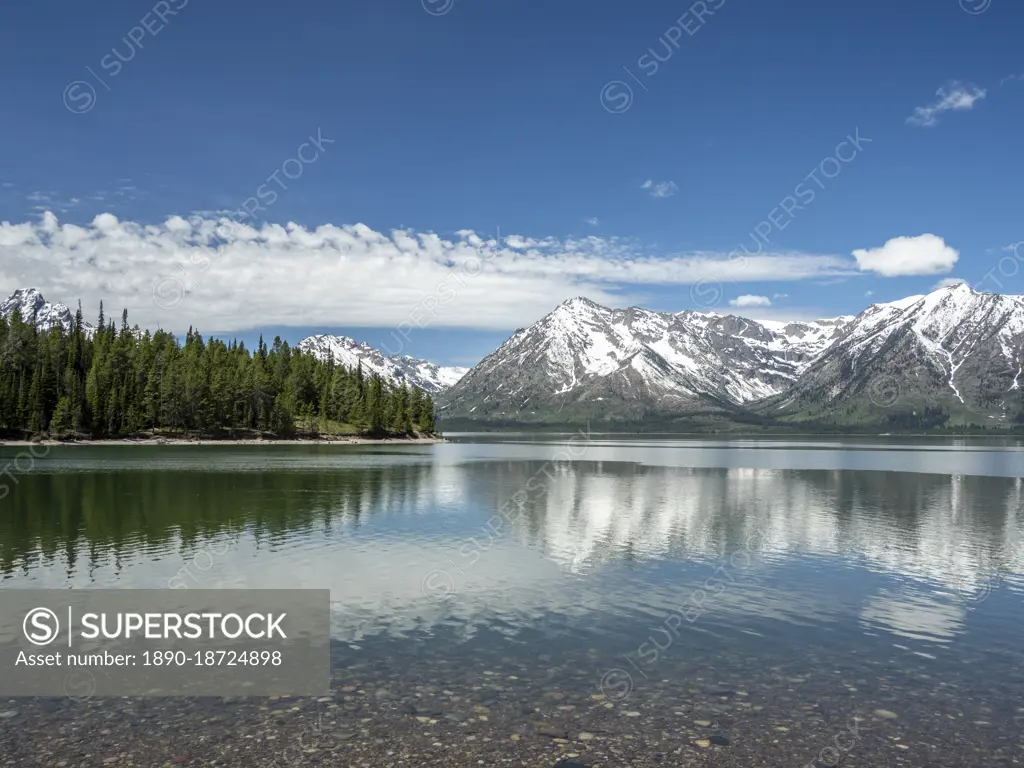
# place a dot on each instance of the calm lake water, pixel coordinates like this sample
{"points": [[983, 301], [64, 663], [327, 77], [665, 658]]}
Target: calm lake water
{"points": [[651, 593]]}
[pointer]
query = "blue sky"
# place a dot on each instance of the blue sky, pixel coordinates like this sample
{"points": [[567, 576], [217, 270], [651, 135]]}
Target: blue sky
{"points": [[437, 118]]}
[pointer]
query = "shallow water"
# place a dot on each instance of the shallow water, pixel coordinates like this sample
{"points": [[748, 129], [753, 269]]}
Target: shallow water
{"points": [[650, 593]]}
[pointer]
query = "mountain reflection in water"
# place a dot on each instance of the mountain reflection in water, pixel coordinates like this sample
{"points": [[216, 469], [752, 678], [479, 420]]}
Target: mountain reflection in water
{"points": [[602, 545]]}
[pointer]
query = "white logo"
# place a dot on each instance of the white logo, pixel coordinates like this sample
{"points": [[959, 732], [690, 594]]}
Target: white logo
{"points": [[41, 626]]}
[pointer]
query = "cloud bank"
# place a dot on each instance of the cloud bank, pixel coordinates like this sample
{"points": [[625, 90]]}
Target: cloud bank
{"points": [[222, 276]]}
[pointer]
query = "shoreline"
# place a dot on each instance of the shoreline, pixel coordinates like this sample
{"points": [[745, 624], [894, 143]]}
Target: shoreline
{"points": [[165, 441]]}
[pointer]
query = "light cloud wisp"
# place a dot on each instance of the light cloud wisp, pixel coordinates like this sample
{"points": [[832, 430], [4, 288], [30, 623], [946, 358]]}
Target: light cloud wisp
{"points": [[952, 96]]}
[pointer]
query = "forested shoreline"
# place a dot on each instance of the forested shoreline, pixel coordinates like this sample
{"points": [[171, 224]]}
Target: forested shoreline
{"points": [[119, 381]]}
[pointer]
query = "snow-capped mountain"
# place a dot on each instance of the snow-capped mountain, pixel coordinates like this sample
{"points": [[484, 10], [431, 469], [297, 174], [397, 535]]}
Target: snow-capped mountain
{"points": [[954, 354], [954, 349], [427, 376], [585, 359], [37, 310]]}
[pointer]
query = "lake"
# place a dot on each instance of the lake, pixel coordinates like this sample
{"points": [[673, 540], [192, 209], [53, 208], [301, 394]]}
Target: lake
{"points": [[517, 599]]}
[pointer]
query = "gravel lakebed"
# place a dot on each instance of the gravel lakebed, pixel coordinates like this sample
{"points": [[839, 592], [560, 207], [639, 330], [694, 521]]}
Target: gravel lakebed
{"points": [[436, 707]]}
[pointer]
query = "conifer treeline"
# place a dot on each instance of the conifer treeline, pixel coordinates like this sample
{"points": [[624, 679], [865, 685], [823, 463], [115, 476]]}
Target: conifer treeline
{"points": [[122, 381]]}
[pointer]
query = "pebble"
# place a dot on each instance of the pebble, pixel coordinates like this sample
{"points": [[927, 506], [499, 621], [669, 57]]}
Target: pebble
{"points": [[721, 690], [551, 731], [885, 713], [632, 714], [6, 715], [703, 743], [584, 736]]}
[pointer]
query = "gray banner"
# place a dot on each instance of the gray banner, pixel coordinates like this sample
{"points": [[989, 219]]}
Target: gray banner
{"points": [[149, 642]]}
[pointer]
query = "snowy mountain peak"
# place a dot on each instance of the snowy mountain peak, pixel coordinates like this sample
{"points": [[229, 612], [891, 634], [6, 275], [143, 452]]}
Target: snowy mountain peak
{"points": [[346, 351], [35, 310], [957, 288], [579, 303]]}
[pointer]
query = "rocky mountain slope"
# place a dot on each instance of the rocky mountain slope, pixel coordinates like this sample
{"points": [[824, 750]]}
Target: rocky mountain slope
{"points": [[585, 360], [428, 376], [37, 310], [953, 356]]}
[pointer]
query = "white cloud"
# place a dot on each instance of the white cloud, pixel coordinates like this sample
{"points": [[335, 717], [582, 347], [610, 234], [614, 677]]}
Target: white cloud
{"points": [[952, 96], [780, 296], [515, 241], [922, 255], [868, 294], [749, 300], [660, 188], [592, 221], [233, 277], [946, 282]]}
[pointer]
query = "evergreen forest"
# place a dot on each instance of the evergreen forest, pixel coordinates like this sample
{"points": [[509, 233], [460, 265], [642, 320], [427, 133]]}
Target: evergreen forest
{"points": [[115, 381]]}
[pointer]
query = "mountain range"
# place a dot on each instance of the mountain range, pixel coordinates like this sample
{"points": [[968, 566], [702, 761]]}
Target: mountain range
{"points": [[952, 357]]}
